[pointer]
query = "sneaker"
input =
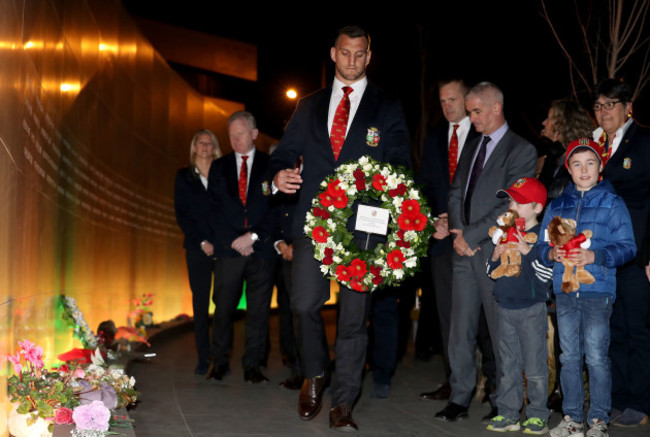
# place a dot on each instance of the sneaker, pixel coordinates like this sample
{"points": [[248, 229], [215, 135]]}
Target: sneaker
{"points": [[567, 428], [598, 428], [503, 424], [535, 425]]}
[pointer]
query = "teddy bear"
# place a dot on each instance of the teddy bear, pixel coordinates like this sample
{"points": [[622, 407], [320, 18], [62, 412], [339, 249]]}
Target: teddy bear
{"points": [[506, 233], [562, 234]]}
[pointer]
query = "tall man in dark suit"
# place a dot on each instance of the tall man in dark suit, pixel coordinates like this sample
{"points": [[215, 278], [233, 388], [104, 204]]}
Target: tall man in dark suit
{"points": [[313, 133], [494, 160], [245, 229], [442, 148]]}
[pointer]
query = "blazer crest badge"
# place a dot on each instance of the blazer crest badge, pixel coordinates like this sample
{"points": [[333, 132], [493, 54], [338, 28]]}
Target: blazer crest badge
{"points": [[627, 163], [266, 189], [372, 137]]}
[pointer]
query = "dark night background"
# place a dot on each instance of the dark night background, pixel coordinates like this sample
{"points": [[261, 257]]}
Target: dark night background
{"points": [[506, 42]]}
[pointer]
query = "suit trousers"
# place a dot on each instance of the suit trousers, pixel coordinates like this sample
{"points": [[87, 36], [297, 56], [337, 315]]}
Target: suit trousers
{"points": [[310, 291], [384, 334], [288, 344], [441, 268], [630, 340], [229, 276], [471, 287], [199, 271]]}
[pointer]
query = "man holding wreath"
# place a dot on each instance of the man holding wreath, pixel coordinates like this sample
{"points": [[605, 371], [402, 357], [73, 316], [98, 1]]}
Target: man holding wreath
{"points": [[343, 122]]}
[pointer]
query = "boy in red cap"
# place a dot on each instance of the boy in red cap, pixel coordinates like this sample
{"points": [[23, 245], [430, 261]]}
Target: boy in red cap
{"points": [[583, 315], [521, 312]]}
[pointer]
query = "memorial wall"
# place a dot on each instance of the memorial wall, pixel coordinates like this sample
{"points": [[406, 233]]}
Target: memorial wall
{"points": [[93, 126]]}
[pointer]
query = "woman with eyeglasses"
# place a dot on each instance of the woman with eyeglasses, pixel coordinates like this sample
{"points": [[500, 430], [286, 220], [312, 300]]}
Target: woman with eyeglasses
{"points": [[192, 205], [627, 167]]}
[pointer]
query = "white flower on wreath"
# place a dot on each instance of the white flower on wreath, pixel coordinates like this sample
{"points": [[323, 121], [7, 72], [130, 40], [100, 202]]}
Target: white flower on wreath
{"points": [[411, 262], [324, 268], [397, 201], [413, 194], [410, 235], [399, 273], [363, 160], [337, 259]]}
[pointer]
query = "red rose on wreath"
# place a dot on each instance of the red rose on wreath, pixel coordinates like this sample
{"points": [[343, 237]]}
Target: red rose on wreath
{"points": [[378, 182], [357, 285], [357, 268], [395, 259], [376, 271], [320, 234], [322, 213]]}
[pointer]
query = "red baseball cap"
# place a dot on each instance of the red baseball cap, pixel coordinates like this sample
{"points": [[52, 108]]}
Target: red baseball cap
{"points": [[585, 143], [525, 190]]}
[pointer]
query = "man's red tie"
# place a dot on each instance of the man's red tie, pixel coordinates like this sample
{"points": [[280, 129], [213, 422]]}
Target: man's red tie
{"points": [[453, 154], [340, 123], [243, 179]]}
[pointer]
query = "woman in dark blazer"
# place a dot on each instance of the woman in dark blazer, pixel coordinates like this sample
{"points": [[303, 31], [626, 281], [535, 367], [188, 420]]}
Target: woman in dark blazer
{"points": [[192, 205], [628, 147]]}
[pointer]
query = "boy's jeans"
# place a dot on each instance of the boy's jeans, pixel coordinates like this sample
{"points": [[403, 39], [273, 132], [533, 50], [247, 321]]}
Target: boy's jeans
{"points": [[583, 326], [522, 345]]}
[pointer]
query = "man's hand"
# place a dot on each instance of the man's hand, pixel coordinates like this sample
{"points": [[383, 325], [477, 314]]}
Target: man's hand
{"points": [[288, 181], [243, 244], [286, 250], [442, 227], [207, 248], [460, 245]]}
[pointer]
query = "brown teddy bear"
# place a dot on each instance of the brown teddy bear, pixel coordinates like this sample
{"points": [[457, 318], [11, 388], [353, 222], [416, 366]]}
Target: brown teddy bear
{"points": [[562, 234], [506, 233]]}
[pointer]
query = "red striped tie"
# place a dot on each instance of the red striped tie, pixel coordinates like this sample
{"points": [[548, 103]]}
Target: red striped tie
{"points": [[243, 179], [340, 123], [453, 154]]}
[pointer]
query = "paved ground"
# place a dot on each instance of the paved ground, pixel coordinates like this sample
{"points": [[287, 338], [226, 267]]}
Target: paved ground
{"points": [[175, 402]]}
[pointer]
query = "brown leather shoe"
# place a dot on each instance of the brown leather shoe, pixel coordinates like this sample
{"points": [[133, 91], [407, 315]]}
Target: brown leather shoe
{"points": [[341, 419], [311, 396], [441, 394]]}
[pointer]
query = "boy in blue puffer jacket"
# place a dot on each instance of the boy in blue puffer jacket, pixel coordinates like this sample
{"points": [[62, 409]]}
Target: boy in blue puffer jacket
{"points": [[583, 315]]}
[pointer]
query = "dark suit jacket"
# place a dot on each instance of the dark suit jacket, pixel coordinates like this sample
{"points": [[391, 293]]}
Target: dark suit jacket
{"points": [[193, 208], [307, 135], [434, 174], [231, 218], [633, 183], [512, 159]]}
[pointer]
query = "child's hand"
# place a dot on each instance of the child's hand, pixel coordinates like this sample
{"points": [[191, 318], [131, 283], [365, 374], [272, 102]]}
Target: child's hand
{"points": [[581, 257], [556, 254], [499, 249], [522, 246]]}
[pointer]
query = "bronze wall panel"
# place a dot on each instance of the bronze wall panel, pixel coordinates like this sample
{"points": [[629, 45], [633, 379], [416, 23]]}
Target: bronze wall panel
{"points": [[93, 126]]}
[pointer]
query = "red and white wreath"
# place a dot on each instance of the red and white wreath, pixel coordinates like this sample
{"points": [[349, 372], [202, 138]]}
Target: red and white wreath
{"points": [[409, 227]]}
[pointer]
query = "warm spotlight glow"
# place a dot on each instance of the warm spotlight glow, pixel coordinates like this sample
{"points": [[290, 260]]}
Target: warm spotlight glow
{"points": [[33, 45], [6, 45], [70, 87], [291, 93]]}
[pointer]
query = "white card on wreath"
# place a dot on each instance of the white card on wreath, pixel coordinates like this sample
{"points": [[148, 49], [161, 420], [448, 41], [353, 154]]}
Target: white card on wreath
{"points": [[372, 220]]}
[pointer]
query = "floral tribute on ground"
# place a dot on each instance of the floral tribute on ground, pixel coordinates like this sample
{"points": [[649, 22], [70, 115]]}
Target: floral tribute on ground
{"points": [[367, 181], [67, 395]]}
